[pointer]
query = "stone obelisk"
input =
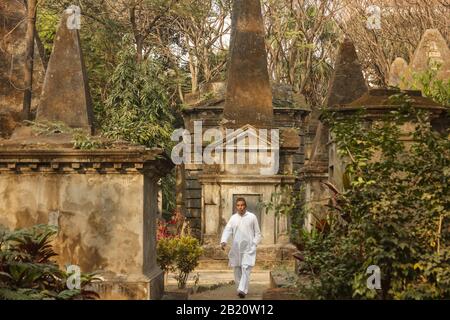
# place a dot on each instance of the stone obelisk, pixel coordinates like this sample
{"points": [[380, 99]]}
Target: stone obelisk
{"points": [[65, 95], [347, 82], [249, 93]]}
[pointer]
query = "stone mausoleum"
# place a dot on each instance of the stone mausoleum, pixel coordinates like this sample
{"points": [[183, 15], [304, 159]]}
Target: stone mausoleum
{"points": [[349, 94], [247, 102], [103, 201]]}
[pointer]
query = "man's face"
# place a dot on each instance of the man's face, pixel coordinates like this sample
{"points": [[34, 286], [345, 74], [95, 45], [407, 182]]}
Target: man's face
{"points": [[240, 207]]}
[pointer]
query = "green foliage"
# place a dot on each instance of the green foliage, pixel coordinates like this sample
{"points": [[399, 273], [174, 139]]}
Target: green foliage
{"points": [[188, 252], [27, 271], [84, 141], [181, 255], [46, 24], [137, 108], [289, 203], [394, 214], [81, 139], [438, 90], [45, 128], [166, 254], [168, 189]]}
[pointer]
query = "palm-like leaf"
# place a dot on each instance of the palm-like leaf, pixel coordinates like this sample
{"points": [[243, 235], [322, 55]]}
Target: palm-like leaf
{"points": [[27, 272]]}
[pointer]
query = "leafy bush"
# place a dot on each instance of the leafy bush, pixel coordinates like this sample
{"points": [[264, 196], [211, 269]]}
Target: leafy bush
{"points": [[27, 271], [187, 253], [437, 89], [180, 255], [138, 107], [166, 253]]}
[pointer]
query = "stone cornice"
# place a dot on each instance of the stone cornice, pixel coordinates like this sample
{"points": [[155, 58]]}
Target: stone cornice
{"points": [[376, 110], [82, 161], [216, 105], [245, 179]]}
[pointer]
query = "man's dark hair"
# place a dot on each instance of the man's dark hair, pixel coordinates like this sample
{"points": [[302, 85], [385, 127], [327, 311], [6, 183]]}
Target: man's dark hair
{"points": [[241, 200]]}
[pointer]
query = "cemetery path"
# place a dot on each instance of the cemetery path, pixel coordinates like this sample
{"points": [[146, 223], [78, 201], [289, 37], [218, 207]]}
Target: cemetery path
{"points": [[219, 285]]}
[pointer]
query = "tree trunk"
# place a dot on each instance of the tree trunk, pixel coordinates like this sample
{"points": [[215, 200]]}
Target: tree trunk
{"points": [[193, 67], [41, 49], [28, 74], [137, 35]]}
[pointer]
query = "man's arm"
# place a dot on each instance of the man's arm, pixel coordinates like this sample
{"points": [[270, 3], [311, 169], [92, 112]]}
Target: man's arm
{"points": [[257, 236], [227, 233]]}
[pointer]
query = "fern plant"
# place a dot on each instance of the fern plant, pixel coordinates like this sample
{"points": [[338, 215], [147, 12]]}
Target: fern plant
{"points": [[27, 271]]}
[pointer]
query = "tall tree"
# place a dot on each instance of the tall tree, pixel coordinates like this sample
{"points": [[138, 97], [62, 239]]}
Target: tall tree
{"points": [[401, 24], [28, 72], [301, 40]]}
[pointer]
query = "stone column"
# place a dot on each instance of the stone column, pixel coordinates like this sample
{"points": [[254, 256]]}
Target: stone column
{"points": [[211, 213]]}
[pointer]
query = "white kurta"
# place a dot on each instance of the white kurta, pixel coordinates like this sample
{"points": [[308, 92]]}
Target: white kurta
{"points": [[246, 236]]}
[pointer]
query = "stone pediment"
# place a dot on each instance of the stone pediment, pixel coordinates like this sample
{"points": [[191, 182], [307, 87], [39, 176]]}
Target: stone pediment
{"points": [[244, 151], [250, 135]]}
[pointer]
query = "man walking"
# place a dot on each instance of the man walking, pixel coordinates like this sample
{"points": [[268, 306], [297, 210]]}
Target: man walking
{"points": [[244, 229]]}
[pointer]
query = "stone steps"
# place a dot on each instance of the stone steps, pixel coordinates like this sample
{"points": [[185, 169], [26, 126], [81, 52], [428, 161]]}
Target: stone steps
{"points": [[219, 276], [261, 265], [268, 257]]}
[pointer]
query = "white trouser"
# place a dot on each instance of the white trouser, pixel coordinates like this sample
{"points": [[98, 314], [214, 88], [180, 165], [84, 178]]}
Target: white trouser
{"points": [[242, 278]]}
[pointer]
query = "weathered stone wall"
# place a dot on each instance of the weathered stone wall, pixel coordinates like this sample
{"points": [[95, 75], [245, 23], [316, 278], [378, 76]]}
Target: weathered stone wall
{"points": [[190, 190], [106, 222]]}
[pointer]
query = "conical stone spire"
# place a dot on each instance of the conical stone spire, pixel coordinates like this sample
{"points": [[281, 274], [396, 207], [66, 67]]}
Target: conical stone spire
{"points": [[431, 51], [347, 82], [249, 93], [65, 95], [346, 85]]}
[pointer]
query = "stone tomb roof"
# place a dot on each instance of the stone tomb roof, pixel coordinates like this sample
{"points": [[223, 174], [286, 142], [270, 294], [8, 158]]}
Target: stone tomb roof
{"points": [[212, 96], [54, 152], [378, 101]]}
